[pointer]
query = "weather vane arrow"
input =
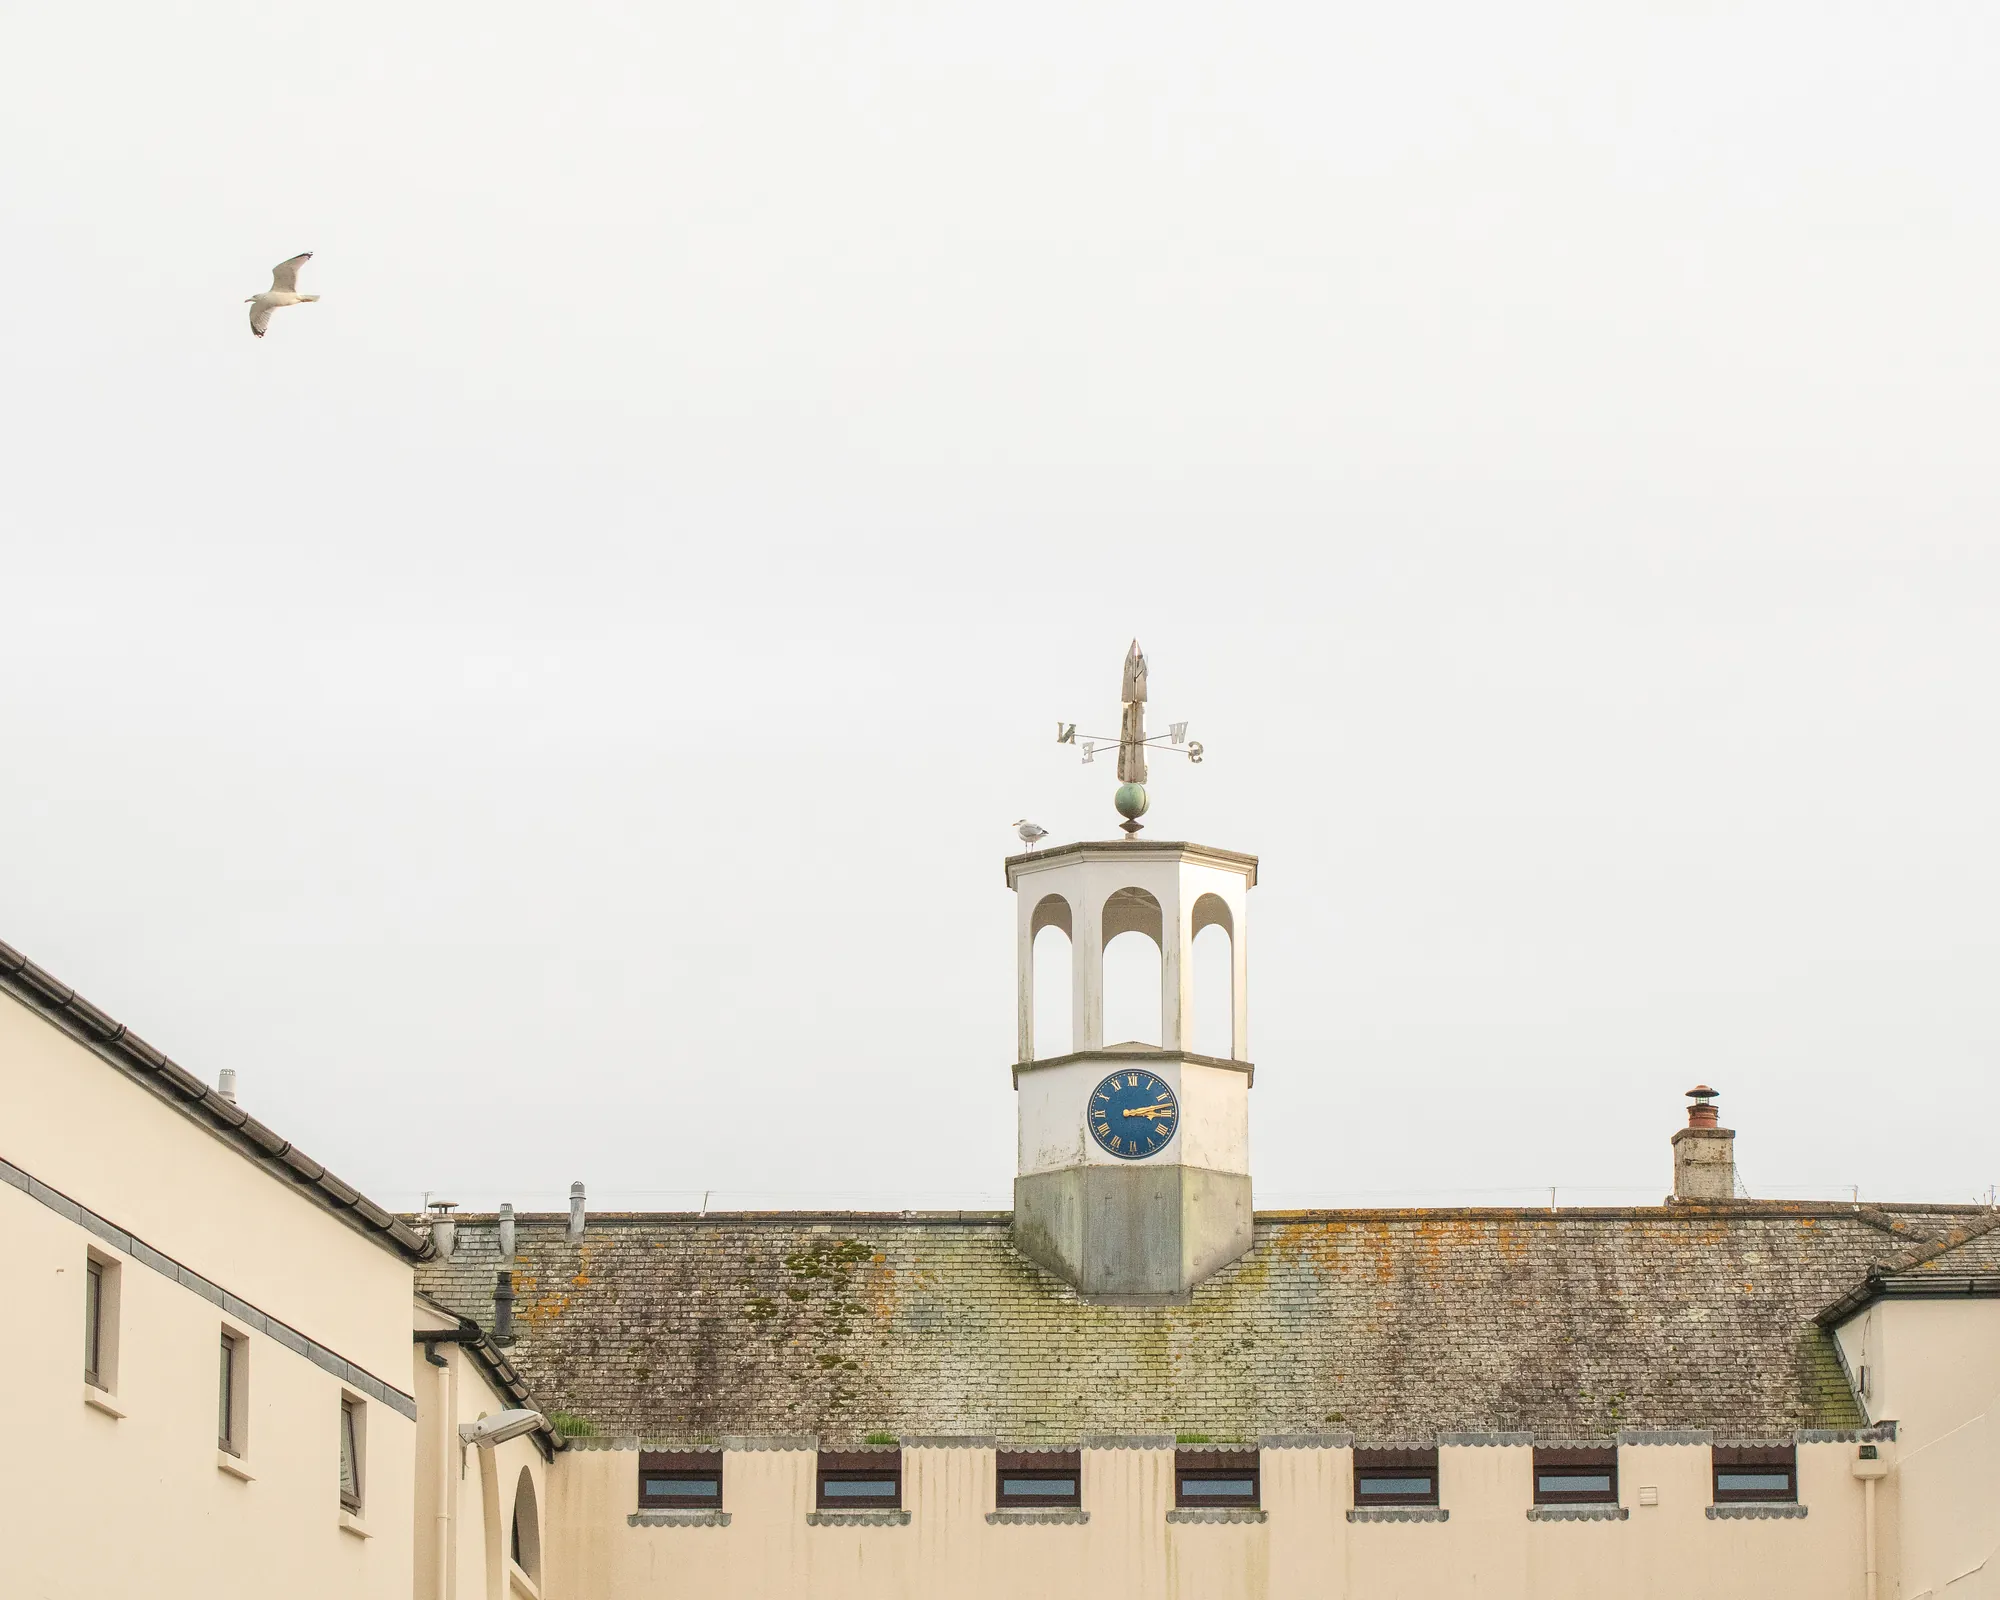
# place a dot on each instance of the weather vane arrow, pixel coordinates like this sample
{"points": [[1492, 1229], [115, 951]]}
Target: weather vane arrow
{"points": [[1133, 742]]}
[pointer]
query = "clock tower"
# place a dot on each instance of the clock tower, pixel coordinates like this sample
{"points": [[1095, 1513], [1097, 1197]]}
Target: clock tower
{"points": [[1133, 1173]]}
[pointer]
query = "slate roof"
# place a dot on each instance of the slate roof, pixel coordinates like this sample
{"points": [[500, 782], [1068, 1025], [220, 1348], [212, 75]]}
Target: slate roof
{"points": [[1965, 1260], [1391, 1325]]}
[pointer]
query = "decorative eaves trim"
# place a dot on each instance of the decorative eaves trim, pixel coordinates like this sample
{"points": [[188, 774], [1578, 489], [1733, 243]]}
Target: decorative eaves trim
{"points": [[1399, 1514], [1448, 1441], [678, 1519], [1216, 1514], [952, 1441], [1874, 1433], [328, 1360], [1578, 1513], [1305, 1441], [1665, 1436], [857, 1519], [1029, 1519], [115, 1044], [1127, 1441], [1755, 1513]]}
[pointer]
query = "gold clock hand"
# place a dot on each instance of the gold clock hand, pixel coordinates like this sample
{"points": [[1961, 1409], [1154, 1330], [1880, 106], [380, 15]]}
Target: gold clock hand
{"points": [[1150, 1111]]}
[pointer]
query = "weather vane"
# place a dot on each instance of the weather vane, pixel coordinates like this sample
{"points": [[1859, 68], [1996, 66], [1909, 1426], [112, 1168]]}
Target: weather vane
{"points": [[1133, 743]]}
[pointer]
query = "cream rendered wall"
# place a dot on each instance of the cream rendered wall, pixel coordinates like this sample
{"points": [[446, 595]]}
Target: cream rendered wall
{"points": [[1305, 1546], [84, 1128], [478, 1486], [1934, 1367], [99, 1507]]}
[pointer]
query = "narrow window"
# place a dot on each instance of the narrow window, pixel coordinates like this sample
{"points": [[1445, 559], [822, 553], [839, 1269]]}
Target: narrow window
{"points": [[353, 1442], [1031, 1478], [93, 1322], [1395, 1477], [100, 1322], [1755, 1472], [1216, 1478], [230, 1395], [680, 1480], [860, 1480], [1584, 1477], [525, 1540]]}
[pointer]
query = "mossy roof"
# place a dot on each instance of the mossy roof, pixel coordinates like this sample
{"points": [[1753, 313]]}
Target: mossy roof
{"points": [[1390, 1325]]}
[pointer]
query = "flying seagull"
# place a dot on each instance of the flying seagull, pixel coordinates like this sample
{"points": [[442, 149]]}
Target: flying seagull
{"points": [[284, 291], [1032, 833]]}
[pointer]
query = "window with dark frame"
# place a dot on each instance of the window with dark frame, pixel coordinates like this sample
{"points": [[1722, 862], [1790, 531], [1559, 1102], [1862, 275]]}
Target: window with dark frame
{"points": [[680, 1480], [1576, 1477], [228, 1398], [860, 1480], [1395, 1478], [1752, 1473], [93, 1322], [1029, 1479], [1219, 1478], [352, 1438]]}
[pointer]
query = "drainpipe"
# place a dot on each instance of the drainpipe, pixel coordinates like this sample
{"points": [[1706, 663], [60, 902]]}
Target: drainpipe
{"points": [[1868, 1467], [1868, 1521], [447, 1387]]}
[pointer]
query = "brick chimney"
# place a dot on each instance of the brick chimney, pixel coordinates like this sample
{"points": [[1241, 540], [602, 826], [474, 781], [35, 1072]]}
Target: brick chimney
{"points": [[1704, 1154]]}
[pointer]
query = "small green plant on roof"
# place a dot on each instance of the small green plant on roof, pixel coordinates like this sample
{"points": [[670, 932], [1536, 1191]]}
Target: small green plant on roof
{"points": [[1192, 1438], [881, 1438], [570, 1426]]}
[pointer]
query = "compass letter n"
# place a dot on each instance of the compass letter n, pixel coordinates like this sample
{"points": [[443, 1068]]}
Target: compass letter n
{"points": [[1065, 733]]}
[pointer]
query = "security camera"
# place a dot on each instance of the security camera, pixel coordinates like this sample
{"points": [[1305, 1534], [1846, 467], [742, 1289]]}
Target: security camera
{"points": [[499, 1428]]}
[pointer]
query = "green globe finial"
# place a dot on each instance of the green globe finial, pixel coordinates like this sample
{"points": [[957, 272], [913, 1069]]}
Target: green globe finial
{"points": [[1131, 802]]}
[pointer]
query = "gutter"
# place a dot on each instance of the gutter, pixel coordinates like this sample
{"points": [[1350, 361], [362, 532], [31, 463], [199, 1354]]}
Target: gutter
{"points": [[1879, 1285], [472, 1339], [112, 1042]]}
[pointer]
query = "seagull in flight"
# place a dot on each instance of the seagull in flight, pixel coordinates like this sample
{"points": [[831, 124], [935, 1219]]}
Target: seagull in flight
{"points": [[284, 291], [1031, 832]]}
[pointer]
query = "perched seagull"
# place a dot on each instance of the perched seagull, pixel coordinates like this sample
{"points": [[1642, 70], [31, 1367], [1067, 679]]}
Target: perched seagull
{"points": [[284, 291], [1031, 832]]}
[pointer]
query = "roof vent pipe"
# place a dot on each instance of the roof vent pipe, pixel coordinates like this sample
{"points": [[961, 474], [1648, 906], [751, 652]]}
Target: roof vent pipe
{"points": [[225, 1084], [503, 1308], [575, 1211], [506, 1230]]}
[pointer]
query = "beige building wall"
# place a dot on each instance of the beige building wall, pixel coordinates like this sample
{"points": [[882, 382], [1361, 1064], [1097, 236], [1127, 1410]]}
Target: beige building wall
{"points": [[123, 1491], [477, 1491], [1934, 1367], [1304, 1545]]}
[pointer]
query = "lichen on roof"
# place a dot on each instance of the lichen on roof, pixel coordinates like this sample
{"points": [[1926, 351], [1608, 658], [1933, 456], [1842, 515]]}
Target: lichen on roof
{"points": [[1392, 1325]]}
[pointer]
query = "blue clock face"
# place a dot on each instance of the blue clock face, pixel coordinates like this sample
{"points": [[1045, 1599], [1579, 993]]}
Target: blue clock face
{"points": [[1133, 1114]]}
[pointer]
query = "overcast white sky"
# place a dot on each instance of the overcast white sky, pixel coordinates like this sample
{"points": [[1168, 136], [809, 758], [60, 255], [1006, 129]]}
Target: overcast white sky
{"points": [[553, 709]]}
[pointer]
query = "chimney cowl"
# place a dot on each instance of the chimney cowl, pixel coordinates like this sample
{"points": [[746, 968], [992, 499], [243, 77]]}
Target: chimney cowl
{"points": [[1702, 1113], [225, 1084], [506, 1230], [576, 1211]]}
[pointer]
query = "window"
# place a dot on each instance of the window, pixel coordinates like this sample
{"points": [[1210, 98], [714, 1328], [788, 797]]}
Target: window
{"points": [[1395, 1477], [1755, 1472], [1026, 1479], [100, 1322], [524, 1542], [1576, 1477], [353, 1452], [861, 1480], [680, 1480], [231, 1399], [1215, 1478]]}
